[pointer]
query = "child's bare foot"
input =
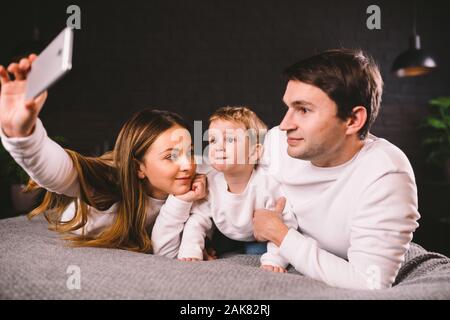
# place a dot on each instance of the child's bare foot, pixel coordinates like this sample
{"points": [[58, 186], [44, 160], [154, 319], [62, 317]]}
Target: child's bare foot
{"points": [[209, 254], [273, 268], [188, 259]]}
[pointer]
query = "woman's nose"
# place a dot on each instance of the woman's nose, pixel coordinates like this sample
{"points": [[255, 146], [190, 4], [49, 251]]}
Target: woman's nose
{"points": [[186, 163]]}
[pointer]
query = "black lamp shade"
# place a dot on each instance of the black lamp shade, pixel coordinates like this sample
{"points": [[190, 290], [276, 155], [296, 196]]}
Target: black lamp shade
{"points": [[413, 62]]}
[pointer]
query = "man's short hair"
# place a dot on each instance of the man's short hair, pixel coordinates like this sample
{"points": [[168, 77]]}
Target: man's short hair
{"points": [[349, 77]]}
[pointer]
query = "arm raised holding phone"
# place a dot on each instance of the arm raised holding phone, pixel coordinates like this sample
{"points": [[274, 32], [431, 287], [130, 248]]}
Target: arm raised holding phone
{"points": [[24, 136], [17, 116]]}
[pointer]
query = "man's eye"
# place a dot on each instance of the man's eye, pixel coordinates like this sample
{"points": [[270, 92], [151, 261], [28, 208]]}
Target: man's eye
{"points": [[303, 110]]}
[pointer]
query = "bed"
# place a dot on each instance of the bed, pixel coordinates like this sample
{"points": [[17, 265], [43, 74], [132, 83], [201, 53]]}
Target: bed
{"points": [[36, 264]]}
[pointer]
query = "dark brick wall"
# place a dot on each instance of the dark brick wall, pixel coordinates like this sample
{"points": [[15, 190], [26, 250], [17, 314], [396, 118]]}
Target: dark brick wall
{"points": [[195, 56]]}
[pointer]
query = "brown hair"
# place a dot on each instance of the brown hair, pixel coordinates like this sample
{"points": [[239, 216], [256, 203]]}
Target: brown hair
{"points": [[349, 77], [109, 179]]}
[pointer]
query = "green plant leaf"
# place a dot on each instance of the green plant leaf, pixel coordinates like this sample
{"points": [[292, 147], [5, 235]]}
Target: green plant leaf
{"points": [[435, 123], [443, 102]]}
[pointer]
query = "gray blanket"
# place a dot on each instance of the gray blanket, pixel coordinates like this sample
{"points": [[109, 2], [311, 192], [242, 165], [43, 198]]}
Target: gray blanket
{"points": [[36, 264]]}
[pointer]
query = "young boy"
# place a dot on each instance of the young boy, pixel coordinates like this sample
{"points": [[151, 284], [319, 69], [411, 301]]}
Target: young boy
{"points": [[236, 187]]}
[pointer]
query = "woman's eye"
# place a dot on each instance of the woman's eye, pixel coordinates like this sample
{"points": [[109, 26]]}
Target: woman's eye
{"points": [[174, 155]]}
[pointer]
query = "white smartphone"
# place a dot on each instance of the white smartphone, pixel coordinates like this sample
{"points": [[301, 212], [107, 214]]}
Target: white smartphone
{"points": [[51, 64]]}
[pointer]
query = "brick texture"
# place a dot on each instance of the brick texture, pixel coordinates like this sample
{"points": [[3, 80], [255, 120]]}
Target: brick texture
{"points": [[195, 56]]}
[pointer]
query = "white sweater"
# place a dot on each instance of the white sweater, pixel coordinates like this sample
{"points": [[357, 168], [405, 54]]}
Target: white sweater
{"points": [[356, 220], [49, 165], [233, 214]]}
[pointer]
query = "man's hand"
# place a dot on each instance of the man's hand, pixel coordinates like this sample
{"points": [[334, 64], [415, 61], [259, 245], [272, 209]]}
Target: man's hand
{"points": [[268, 225], [198, 190]]}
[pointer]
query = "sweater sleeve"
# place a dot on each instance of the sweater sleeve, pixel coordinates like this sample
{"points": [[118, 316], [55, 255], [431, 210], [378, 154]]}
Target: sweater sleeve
{"points": [[166, 233], [194, 233], [381, 230], [46, 162]]}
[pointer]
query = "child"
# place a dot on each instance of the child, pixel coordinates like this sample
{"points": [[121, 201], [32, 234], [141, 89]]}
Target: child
{"points": [[236, 187]]}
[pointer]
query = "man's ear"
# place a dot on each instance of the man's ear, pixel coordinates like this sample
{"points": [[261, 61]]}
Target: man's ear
{"points": [[357, 120], [256, 153]]}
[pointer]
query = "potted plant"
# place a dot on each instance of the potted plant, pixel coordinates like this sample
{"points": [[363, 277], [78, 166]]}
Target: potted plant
{"points": [[436, 134], [13, 180]]}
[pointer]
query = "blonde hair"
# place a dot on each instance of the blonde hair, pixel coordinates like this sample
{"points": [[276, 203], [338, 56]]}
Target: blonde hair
{"points": [[242, 115], [109, 179]]}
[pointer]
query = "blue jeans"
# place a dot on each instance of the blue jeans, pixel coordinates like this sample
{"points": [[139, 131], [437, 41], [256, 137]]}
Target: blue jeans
{"points": [[255, 247], [222, 244]]}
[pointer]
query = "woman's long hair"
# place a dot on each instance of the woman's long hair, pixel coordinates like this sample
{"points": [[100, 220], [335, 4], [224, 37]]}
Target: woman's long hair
{"points": [[109, 179]]}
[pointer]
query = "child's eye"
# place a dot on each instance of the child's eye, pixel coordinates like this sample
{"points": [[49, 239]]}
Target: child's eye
{"points": [[212, 140], [231, 139]]}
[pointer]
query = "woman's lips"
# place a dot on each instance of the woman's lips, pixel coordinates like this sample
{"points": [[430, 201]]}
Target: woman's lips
{"points": [[183, 179]]}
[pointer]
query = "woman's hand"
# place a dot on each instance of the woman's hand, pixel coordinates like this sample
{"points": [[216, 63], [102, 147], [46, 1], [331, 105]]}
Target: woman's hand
{"points": [[198, 189], [17, 116]]}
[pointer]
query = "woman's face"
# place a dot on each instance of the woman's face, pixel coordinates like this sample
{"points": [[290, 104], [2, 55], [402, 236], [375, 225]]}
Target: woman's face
{"points": [[168, 165]]}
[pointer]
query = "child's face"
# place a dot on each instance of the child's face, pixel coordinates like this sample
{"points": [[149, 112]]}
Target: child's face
{"points": [[228, 145]]}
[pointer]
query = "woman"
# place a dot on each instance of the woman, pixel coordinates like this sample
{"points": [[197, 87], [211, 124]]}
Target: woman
{"points": [[109, 201]]}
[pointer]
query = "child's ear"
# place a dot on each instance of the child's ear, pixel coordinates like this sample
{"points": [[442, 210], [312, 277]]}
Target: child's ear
{"points": [[256, 153]]}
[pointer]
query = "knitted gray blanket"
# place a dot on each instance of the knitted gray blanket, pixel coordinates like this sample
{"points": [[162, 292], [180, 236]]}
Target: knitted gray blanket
{"points": [[36, 264]]}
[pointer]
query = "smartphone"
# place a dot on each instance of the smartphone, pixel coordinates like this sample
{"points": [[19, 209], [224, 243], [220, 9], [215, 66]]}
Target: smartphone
{"points": [[51, 64]]}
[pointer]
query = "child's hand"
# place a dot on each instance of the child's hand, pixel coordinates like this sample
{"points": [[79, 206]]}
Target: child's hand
{"points": [[273, 268], [188, 259], [198, 190]]}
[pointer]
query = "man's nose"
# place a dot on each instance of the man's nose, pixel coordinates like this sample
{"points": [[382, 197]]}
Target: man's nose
{"points": [[288, 122]]}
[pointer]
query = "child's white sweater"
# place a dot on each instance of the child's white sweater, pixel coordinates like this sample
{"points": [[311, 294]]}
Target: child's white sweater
{"points": [[233, 214]]}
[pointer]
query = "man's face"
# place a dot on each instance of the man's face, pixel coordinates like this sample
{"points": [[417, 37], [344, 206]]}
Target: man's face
{"points": [[314, 131]]}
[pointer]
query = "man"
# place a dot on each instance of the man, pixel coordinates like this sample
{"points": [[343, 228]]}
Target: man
{"points": [[354, 195]]}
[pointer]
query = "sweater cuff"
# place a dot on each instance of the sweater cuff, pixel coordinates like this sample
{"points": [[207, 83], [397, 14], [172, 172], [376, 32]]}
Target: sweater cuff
{"points": [[291, 244], [26, 146], [193, 252], [273, 260], [178, 208]]}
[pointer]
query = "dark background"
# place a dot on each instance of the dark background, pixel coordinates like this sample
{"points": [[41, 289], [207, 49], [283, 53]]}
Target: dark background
{"points": [[192, 57]]}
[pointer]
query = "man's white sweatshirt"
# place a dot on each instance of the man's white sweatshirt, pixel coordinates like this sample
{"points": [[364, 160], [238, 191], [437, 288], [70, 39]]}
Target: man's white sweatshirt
{"points": [[355, 220]]}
